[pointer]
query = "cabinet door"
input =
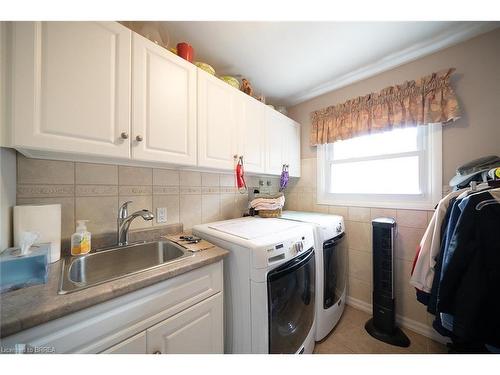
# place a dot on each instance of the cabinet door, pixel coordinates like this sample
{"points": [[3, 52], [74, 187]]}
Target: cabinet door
{"points": [[164, 105], [196, 330], [252, 136], [217, 122], [133, 345], [71, 87], [275, 140], [291, 148]]}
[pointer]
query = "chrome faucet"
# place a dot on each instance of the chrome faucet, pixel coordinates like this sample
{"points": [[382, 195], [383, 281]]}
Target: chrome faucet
{"points": [[124, 221]]}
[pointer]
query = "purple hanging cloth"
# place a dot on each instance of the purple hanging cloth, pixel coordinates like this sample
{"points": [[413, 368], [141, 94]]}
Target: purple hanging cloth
{"points": [[284, 177]]}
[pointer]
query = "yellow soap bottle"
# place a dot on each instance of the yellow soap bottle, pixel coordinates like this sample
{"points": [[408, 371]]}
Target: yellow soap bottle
{"points": [[80, 240]]}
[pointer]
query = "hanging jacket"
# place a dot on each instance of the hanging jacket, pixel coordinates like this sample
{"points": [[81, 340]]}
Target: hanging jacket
{"points": [[430, 245], [470, 286], [432, 303]]}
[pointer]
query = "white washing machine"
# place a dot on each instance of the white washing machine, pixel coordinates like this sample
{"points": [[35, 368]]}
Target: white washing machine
{"points": [[269, 284], [331, 266]]}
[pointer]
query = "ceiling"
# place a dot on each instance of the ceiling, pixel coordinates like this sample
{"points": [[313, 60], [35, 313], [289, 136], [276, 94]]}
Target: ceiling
{"points": [[290, 62]]}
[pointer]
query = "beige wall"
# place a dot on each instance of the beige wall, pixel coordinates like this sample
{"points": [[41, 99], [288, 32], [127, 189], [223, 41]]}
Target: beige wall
{"points": [[477, 85]]}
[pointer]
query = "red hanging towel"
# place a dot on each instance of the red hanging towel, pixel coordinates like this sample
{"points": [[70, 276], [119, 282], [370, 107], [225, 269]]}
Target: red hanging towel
{"points": [[240, 175]]}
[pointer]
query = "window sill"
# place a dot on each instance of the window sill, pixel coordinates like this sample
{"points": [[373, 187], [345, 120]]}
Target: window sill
{"points": [[408, 205]]}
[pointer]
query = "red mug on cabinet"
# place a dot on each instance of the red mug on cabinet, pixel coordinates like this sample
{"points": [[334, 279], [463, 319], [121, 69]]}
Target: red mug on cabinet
{"points": [[185, 51]]}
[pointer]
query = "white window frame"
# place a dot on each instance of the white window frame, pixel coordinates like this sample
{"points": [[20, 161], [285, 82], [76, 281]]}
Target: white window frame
{"points": [[430, 152]]}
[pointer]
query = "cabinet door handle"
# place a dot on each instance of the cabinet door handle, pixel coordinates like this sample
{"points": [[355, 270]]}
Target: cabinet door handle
{"points": [[157, 352], [124, 135], [138, 138]]}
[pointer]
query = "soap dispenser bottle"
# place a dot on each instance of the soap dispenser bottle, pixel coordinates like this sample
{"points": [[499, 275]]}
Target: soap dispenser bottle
{"points": [[80, 240]]}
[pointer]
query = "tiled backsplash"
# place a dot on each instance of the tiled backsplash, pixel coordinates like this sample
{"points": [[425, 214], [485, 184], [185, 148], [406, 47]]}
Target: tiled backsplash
{"points": [[301, 195], [95, 191]]}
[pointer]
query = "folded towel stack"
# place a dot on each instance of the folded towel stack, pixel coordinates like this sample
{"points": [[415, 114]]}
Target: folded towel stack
{"points": [[271, 203]]}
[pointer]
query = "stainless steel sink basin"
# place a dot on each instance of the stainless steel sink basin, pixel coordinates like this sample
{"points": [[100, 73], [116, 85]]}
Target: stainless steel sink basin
{"points": [[111, 264]]}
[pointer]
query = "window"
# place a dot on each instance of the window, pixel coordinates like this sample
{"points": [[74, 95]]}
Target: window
{"points": [[399, 168]]}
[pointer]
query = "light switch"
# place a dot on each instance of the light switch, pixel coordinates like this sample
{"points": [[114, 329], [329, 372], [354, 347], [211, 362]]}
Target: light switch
{"points": [[161, 215]]}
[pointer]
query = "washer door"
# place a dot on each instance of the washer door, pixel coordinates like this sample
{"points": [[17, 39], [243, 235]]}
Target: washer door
{"points": [[334, 270], [290, 290]]}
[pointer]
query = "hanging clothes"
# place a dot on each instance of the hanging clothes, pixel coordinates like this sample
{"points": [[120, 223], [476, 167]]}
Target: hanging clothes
{"points": [[430, 245], [432, 300], [469, 289]]}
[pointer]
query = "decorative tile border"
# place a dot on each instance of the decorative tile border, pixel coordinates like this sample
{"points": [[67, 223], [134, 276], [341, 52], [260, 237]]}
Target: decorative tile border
{"points": [[165, 190], [45, 191], [191, 190], [135, 190], [227, 190], [96, 190], [210, 190]]}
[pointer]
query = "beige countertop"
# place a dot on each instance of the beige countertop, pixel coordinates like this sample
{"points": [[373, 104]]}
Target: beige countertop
{"points": [[25, 308]]}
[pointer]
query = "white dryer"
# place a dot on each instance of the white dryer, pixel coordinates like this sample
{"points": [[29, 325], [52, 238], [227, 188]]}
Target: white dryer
{"points": [[331, 267], [269, 284]]}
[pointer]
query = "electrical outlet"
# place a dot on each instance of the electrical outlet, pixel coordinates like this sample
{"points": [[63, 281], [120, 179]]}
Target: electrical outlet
{"points": [[161, 215]]}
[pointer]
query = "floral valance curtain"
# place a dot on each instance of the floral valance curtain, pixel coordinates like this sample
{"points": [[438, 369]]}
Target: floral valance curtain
{"points": [[427, 100]]}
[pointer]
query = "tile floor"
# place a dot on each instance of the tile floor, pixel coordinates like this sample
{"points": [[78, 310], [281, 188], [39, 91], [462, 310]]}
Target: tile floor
{"points": [[350, 337]]}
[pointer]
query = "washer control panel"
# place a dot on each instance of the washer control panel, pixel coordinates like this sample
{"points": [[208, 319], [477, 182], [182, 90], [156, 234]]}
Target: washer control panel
{"points": [[289, 248]]}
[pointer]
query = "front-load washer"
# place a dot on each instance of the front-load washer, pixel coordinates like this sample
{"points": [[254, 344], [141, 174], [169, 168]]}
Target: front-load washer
{"points": [[331, 266], [269, 284]]}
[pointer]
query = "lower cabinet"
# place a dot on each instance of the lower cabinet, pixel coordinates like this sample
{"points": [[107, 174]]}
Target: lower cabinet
{"points": [[197, 330], [133, 345]]}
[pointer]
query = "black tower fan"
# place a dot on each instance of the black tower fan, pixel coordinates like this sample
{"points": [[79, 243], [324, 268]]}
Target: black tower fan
{"points": [[383, 324]]}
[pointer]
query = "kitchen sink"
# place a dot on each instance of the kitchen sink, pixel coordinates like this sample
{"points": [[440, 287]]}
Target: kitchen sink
{"points": [[113, 263]]}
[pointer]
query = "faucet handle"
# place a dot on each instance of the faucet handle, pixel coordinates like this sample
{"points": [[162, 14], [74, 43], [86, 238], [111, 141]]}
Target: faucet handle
{"points": [[123, 211]]}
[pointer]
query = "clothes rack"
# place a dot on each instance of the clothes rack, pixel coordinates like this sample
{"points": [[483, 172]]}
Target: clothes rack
{"points": [[463, 268]]}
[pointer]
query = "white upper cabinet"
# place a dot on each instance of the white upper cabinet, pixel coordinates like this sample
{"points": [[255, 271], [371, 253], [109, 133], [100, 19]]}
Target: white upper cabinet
{"points": [[71, 87], [275, 129], [252, 134], [283, 143], [217, 122], [163, 105], [292, 147]]}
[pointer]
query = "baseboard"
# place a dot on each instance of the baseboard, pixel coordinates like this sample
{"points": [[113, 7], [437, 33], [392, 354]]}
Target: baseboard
{"points": [[358, 304], [410, 324]]}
